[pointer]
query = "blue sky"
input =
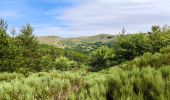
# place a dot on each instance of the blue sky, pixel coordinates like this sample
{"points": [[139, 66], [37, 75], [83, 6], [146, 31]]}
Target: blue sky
{"points": [[72, 18]]}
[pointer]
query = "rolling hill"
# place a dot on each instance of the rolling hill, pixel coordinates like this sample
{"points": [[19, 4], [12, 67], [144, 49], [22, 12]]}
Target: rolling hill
{"points": [[52, 39], [84, 44]]}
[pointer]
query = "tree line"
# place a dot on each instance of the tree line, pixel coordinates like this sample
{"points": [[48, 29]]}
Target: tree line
{"points": [[22, 52], [128, 46]]}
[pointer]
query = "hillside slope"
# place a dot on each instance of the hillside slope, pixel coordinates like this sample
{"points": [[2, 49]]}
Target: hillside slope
{"points": [[84, 44], [52, 39]]}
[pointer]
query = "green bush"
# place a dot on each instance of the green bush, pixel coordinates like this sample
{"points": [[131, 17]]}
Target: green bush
{"points": [[63, 63], [46, 63], [103, 57], [165, 50], [10, 54]]}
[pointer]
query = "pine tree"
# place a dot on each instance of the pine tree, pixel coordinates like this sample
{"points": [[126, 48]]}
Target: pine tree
{"points": [[3, 25]]}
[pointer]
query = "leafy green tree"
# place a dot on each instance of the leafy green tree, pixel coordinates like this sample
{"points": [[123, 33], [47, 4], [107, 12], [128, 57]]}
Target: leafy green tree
{"points": [[28, 40], [29, 45], [11, 55], [127, 47], [102, 57], [159, 37]]}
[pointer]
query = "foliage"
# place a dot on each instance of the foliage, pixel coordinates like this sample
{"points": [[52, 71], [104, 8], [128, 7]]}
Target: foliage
{"points": [[28, 41], [144, 72], [46, 63], [63, 63], [11, 55], [102, 57], [83, 47], [159, 37], [156, 60], [127, 47], [23, 53], [114, 83], [76, 56]]}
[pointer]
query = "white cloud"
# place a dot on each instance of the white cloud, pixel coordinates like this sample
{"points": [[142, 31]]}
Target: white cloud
{"points": [[111, 15], [89, 17]]}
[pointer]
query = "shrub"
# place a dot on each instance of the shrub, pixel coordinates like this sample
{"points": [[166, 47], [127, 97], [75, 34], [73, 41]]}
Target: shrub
{"points": [[46, 63], [63, 63], [102, 57]]}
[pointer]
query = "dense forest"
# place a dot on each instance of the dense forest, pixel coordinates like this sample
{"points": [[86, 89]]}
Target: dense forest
{"points": [[130, 67]]}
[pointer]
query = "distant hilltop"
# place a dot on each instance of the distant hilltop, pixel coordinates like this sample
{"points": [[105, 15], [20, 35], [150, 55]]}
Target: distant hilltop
{"points": [[52, 40]]}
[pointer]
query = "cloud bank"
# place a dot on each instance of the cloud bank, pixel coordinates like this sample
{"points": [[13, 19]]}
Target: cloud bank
{"points": [[89, 17]]}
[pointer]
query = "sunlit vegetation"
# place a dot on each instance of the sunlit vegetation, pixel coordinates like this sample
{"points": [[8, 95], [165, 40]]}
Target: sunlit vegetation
{"points": [[131, 67], [144, 83]]}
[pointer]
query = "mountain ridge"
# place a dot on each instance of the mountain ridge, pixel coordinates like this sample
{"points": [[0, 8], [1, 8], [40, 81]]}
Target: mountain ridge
{"points": [[93, 38]]}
